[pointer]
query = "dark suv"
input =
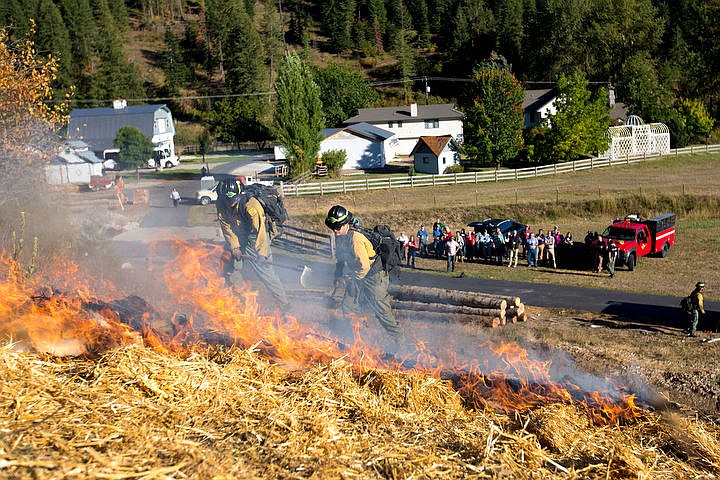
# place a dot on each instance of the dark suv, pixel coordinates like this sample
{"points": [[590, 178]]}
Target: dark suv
{"points": [[505, 225]]}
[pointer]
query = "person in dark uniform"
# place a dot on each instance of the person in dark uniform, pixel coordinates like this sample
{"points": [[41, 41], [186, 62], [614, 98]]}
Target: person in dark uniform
{"points": [[360, 281], [243, 223]]}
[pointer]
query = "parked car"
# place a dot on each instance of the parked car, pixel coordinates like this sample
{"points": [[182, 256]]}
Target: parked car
{"points": [[505, 225], [208, 185]]}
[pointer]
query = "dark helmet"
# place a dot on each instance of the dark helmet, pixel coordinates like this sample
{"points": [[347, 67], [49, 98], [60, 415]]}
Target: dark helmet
{"points": [[337, 217], [228, 187], [699, 285]]}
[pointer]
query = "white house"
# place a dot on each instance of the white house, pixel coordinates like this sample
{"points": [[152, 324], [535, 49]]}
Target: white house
{"points": [[537, 105], [365, 145], [74, 164], [98, 127], [540, 104], [435, 154], [411, 122]]}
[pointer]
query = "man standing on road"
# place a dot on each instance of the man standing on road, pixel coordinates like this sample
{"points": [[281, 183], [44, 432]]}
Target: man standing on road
{"points": [[361, 283], [696, 307], [242, 220]]}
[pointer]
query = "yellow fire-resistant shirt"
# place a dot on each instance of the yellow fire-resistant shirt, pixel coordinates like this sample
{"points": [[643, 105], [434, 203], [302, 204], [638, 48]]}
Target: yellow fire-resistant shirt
{"points": [[357, 254], [236, 224]]}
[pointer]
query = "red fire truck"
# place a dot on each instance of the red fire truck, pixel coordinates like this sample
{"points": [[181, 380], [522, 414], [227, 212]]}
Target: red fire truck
{"points": [[636, 237]]}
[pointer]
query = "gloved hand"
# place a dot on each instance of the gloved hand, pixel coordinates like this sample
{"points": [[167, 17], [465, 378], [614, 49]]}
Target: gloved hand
{"points": [[337, 294], [237, 253]]}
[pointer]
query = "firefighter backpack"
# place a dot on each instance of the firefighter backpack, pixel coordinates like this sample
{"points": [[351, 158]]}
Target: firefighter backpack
{"points": [[686, 304], [275, 212], [386, 245]]}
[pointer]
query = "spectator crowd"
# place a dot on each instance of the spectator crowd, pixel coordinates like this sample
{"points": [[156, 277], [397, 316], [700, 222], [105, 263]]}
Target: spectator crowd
{"points": [[495, 247]]}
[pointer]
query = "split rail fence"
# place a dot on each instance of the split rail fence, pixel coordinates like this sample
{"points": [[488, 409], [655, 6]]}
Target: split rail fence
{"points": [[367, 184]]}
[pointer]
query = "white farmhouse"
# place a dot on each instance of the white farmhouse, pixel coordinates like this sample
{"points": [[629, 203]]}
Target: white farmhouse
{"points": [[98, 127], [411, 122]]}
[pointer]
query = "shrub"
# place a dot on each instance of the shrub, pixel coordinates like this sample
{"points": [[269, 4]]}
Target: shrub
{"points": [[454, 169], [334, 160]]}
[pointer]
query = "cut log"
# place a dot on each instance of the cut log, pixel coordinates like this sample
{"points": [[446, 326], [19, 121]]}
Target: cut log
{"points": [[443, 295], [414, 315], [445, 308], [513, 301]]}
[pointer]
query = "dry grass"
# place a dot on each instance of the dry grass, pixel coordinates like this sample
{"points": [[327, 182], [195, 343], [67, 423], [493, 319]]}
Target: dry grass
{"points": [[231, 414]]}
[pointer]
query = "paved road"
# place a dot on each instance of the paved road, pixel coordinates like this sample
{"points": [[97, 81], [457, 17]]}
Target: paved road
{"points": [[656, 309]]}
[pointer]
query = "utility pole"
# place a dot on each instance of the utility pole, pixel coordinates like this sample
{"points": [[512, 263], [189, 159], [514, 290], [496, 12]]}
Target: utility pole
{"points": [[427, 90]]}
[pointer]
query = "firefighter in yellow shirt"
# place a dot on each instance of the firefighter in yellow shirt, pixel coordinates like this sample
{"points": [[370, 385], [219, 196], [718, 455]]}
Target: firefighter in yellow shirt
{"points": [[242, 221], [359, 270], [696, 307]]}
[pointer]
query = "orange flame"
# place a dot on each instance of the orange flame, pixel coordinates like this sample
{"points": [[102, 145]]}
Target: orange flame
{"points": [[205, 310]]}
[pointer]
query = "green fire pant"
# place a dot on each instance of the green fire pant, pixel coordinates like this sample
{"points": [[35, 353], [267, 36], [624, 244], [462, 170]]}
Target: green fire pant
{"points": [[371, 294]]}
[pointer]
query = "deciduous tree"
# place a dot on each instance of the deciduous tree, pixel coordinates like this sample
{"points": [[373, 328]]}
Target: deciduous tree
{"points": [[580, 123], [342, 92], [493, 116]]}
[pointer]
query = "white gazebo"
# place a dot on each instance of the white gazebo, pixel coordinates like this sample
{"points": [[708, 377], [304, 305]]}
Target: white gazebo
{"points": [[637, 138]]}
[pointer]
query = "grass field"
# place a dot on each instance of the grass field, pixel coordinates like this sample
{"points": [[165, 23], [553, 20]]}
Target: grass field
{"points": [[588, 200]]}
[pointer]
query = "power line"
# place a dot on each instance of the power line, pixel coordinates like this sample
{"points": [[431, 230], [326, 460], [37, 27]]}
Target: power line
{"points": [[165, 99], [398, 81]]}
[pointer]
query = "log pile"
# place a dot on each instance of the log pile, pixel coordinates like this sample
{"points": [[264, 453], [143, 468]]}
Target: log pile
{"points": [[443, 304]]}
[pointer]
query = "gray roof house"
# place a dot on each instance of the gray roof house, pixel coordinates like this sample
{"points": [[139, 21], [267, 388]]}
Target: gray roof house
{"points": [[538, 104], [411, 122], [98, 127], [74, 164], [365, 145], [435, 154]]}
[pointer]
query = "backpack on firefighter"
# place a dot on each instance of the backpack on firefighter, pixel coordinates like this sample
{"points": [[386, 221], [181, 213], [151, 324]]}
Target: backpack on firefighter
{"points": [[233, 192], [386, 245], [275, 212]]}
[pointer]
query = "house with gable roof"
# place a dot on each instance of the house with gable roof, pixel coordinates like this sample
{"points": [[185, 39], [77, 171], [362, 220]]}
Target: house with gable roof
{"points": [[98, 127], [413, 121], [434, 154], [366, 146], [537, 105]]}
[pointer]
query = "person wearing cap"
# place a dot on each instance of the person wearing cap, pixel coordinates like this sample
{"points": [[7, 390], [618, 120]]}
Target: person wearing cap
{"points": [[696, 307], [361, 283], [242, 221]]}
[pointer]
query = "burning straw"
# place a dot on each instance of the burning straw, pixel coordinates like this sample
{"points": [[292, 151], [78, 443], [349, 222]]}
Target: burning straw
{"points": [[228, 409], [135, 413]]}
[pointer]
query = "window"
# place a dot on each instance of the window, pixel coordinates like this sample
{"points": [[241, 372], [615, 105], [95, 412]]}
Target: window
{"points": [[390, 124], [435, 123], [426, 160], [444, 160], [399, 124], [160, 125]]}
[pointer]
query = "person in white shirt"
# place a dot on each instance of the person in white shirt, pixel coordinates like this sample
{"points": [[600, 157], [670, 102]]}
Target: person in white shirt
{"points": [[451, 248], [550, 251], [404, 240]]}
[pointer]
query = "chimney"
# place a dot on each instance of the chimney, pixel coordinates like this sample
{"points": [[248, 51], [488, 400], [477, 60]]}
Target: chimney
{"points": [[119, 104], [611, 96], [413, 109]]}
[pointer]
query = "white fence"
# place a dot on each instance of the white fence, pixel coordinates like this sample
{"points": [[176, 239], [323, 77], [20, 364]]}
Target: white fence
{"points": [[376, 183]]}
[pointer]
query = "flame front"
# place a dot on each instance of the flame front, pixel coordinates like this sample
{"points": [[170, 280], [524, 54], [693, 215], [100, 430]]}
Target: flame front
{"points": [[205, 311]]}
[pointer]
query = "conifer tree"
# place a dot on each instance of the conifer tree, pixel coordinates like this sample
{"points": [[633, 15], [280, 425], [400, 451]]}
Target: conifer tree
{"points": [[298, 114]]}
